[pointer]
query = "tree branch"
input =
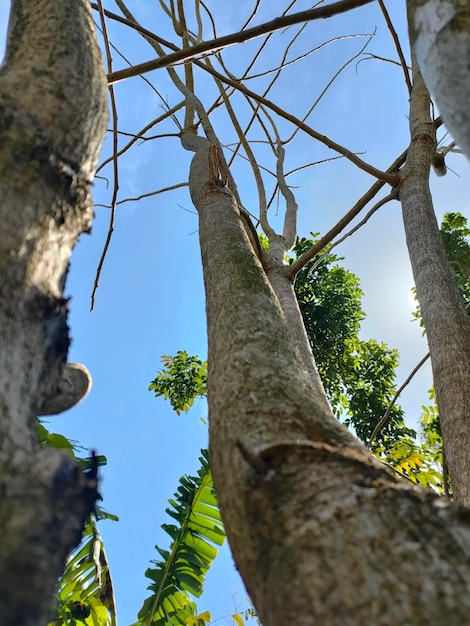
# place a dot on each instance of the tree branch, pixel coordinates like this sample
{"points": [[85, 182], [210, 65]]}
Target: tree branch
{"points": [[239, 37], [383, 420], [292, 270]]}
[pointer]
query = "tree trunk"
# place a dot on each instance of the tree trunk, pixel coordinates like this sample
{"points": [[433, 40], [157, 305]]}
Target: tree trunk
{"points": [[52, 123], [446, 321], [320, 532], [440, 37]]}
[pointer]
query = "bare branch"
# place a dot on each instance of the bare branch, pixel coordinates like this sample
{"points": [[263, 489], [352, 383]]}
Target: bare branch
{"points": [[289, 231], [394, 35], [270, 105], [383, 420], [239, 37], [153, 193], [391, 196], [114, 115], [292, 270], [251, 159], [140, 133]]}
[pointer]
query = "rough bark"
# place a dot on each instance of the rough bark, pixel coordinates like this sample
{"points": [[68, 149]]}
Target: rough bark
{"points": [[440, 36], [320, 532], [52, 123], [446, 322]]}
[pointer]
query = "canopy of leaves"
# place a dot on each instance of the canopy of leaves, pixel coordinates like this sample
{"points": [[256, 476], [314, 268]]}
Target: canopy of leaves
{"points": [[359, 376]]}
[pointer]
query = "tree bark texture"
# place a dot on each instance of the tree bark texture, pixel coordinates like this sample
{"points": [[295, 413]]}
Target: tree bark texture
{"points": [[446, 321], [52, 123], [321, 533], [440, 37]]}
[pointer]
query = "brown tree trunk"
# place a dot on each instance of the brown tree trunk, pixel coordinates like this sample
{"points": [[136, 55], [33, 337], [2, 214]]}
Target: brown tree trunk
{"points": [[52, 123], [446, 322], [320, 532]]}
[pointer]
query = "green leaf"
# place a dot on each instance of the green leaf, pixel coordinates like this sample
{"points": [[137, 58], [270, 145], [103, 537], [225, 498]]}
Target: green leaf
{"points": [[196, 537], [85, 593]]}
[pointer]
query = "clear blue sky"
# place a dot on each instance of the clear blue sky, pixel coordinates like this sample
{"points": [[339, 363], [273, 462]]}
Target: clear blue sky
{"points": [[150, 300]]}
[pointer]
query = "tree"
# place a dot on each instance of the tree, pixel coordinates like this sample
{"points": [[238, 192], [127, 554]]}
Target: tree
{"points": [[48, 155], [303, 502]]}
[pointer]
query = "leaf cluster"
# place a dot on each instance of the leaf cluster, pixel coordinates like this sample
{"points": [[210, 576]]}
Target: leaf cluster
{"points": [[84, 591], [359, 376], [455, 237], [182, 380]]}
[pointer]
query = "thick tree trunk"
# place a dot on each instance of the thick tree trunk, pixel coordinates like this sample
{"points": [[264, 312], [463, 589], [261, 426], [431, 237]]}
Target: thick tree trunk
{"points": [[52, 123], [446, 322], [320, 532]]}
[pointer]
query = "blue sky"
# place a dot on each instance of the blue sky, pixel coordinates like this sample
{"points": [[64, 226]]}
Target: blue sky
{"points": [[150, 300]]}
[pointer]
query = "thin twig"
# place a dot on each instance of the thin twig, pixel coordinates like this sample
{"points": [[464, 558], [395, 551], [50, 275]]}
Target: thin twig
{"points": [[368, 56], [391, 196], [383, 420], [115, 157], [140, 133], [291, 270], [153, 193], [396, 40]]}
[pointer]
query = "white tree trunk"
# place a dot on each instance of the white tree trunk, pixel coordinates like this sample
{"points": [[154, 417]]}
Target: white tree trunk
{"points": [[320, 532], [440, 36], [52, 123]]}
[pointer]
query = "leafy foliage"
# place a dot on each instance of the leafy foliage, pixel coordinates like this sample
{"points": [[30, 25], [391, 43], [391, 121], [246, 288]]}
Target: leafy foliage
{"points": [[330, 301], [182, 571], [85, 591], [455, 234], [247, 614], [181, 381], [359, 376], [455, 237]]}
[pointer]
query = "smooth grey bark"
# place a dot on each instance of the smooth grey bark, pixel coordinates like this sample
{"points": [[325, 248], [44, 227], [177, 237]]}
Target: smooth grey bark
{"points": [[446, 321], [440, 37], [320, 532], [52, 123]]}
